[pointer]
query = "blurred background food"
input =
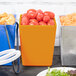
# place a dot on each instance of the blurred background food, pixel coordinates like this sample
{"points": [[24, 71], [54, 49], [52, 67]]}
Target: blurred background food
{"points": [[7, 19], [68, 20]]}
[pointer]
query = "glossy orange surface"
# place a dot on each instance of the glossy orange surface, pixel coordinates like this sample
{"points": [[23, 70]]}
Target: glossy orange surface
{"points": [[37, 44]]}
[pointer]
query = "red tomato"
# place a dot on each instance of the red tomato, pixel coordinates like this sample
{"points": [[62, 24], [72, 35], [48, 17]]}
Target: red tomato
{"points": [[31, 10], [33, 22], [40, 16], [50, 14], [24, 15], [31, 13], [46, 13], [39, 11], [42, 23], [51, 22], [46, 18], [24, 21]]}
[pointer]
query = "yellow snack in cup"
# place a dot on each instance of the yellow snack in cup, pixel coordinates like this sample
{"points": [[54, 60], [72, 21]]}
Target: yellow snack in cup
{"points": [[2, 21], [10, 20], [68, 20]]}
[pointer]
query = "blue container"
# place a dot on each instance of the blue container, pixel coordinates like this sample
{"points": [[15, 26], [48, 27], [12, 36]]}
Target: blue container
{"points": [[3, 38]]}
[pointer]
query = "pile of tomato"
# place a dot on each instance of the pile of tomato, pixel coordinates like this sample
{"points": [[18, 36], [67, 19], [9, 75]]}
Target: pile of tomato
{"points": [[37, 17]]}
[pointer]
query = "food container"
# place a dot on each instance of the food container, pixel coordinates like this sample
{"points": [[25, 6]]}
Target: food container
{"points": [[37, 44], [3, 37], [68, 45]]}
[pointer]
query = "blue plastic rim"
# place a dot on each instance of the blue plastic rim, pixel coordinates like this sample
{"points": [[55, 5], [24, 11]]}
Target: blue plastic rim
{"points": [[3, 38]]}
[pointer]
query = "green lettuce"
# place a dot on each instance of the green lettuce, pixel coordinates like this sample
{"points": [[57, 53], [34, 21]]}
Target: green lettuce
{"points": [[56, 72]]}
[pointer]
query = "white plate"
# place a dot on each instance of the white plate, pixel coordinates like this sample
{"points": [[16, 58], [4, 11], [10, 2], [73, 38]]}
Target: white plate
{"points": [[65, 69]]}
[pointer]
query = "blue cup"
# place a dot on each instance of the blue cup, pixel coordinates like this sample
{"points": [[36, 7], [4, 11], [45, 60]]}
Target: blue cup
{"points": [[3, 38]]}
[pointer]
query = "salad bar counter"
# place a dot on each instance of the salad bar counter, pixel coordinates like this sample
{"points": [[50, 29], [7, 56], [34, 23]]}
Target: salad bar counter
{"points": [[39, 57]]}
